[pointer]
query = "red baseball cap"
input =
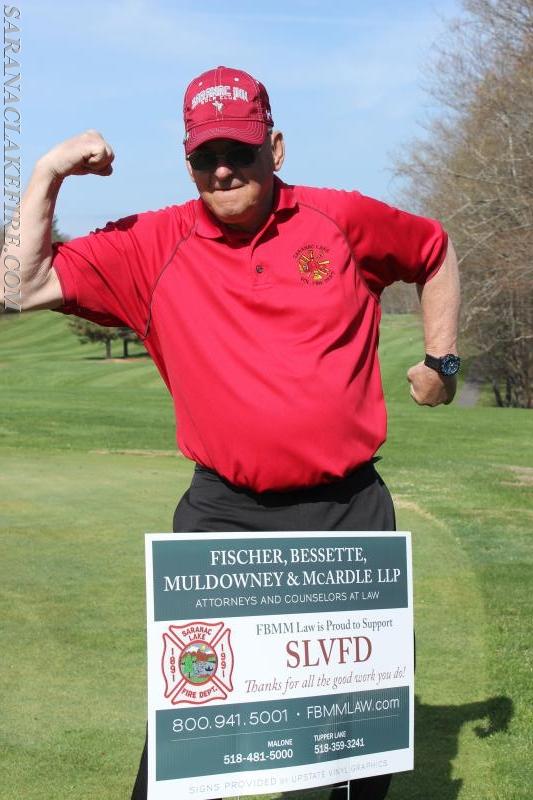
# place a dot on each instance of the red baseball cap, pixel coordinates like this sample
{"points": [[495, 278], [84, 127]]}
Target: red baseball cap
{"points": [[225, 103]]}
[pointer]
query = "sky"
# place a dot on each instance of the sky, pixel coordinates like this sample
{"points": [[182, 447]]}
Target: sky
{"points": [[345, 81]]}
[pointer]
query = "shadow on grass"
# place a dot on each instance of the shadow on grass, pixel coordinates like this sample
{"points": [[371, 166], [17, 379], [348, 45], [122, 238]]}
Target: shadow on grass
{"points": [[131, 357], [437, 730]]}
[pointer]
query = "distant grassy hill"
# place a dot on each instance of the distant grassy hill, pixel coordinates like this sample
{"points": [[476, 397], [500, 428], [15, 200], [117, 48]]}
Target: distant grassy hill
{"points": [[68, 395], [54, 373], [72, 394], [88, 464]]}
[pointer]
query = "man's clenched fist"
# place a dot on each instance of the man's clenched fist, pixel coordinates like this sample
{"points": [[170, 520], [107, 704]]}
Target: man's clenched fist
{"points": [[428, 388], [85, 154]]}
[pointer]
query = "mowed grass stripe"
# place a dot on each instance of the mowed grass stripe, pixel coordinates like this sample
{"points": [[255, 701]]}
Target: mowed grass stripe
{"points": [[77, 586], [84, 374], [71, 582], [27, 336], [44, 341], [449, 701]]}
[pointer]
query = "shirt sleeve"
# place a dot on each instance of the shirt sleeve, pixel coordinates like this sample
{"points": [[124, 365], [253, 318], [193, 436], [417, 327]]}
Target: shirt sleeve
{"points": [[392, 245], [107, 276]]}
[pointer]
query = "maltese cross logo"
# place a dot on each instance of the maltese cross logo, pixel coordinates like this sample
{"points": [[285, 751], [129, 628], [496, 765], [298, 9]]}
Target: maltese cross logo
{"points": [[197, 663]]}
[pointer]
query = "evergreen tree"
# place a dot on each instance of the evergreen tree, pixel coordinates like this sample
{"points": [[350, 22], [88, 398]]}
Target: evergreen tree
{"points": [[57, 236], [91, 332]]}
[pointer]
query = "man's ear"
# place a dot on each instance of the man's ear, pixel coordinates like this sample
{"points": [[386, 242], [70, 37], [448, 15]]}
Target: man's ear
{"points": [[278, 149], [189, 170]]}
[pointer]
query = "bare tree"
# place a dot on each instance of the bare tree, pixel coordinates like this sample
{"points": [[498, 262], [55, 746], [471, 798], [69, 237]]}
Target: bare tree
{"points": [[474, 170], [399, 298]]}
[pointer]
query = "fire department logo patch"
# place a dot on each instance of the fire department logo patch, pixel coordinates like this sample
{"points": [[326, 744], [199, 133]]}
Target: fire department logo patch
{"points": [[313, 264], [197, 662]]}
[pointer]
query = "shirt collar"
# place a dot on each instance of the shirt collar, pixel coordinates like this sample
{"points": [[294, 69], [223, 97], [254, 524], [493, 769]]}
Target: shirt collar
{"points": [[283, 196], [209, 227]]}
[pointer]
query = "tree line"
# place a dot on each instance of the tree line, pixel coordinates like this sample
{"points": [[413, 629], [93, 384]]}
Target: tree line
{"points": [[91, 332], [88, 331], [473, 170]]}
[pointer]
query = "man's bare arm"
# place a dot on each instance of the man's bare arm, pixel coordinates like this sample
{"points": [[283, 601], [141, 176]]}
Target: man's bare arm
{"points": [[30, 244], [440, 299]]}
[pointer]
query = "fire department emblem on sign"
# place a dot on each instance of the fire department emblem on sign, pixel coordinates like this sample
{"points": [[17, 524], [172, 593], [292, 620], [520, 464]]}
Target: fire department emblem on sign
{"points": [[313, 265], [197, 662]]}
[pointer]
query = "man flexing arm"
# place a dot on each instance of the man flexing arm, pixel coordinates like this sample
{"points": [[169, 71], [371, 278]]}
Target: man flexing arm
{"points": [[30, 245], [440, 299]]}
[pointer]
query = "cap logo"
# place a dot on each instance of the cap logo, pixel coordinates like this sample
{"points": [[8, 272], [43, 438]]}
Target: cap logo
{"points": [[217, 93], [225, 103]]}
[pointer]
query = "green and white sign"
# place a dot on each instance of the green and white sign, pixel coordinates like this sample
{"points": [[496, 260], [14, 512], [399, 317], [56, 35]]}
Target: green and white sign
{"points": [[277, 661]]}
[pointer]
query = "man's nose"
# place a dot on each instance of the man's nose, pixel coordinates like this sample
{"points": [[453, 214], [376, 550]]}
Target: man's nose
{"points": [[222, 171]]}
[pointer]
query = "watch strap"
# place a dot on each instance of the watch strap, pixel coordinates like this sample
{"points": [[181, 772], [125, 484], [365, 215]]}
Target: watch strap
{"points": [[433, 362], [447, 365]]}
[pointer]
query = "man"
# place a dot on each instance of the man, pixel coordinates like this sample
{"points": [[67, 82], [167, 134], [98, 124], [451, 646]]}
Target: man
{"points": [[259, 304]]}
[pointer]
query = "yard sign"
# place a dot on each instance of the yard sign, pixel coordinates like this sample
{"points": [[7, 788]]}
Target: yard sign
{"points": [[277, 661]]}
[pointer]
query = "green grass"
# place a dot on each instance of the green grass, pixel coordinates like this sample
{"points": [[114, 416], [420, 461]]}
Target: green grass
{"points": [[88, 465]]}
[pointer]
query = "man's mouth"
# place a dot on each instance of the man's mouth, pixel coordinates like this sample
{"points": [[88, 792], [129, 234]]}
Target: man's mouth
{"points": [[227, 188]]}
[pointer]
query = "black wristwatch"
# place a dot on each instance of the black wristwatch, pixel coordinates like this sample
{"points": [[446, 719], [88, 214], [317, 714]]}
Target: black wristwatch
{"points": [[447, 365]]}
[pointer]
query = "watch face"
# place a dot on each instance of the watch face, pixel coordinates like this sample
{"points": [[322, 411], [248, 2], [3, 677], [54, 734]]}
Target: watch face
{"points": [[449, 365]]}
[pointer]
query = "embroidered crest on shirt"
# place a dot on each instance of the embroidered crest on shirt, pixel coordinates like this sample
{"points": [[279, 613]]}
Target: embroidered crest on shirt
{"points": [[313, 264]]}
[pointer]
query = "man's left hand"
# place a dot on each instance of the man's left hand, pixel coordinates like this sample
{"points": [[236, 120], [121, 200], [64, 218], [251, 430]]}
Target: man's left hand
{"points": [[429, 388]]}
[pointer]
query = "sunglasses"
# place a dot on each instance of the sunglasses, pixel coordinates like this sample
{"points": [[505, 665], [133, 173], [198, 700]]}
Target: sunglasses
{"points": [[241, 155]]}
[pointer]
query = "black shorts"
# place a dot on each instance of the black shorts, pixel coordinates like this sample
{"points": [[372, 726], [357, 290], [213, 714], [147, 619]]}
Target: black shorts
{"points": [[359, 502]]}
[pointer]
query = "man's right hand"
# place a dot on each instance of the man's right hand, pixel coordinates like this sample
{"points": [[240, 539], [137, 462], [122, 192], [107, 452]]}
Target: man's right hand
{"points": [[85, 154]]}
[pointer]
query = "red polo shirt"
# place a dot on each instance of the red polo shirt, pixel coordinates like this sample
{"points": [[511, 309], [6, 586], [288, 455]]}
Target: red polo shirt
{"points": [[267, 342]]}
